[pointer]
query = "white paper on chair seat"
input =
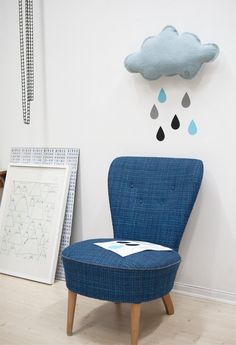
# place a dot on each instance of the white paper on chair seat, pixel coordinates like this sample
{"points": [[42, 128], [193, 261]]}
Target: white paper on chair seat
{"points": [[126, 247]]}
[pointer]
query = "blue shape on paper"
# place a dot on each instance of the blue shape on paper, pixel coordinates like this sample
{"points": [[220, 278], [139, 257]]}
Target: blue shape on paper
{"points": [[116, 246], [162, 96], [192, 128]]}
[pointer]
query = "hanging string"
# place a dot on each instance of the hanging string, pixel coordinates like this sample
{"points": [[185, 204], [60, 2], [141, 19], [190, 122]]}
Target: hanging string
{"points": [[27, 57]]}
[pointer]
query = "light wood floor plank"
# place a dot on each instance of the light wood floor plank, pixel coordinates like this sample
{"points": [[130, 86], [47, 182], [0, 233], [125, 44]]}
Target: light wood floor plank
{"points": [[34, 313]]}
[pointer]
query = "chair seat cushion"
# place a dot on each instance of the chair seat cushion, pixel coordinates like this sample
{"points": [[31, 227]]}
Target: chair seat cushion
{"points": [[99, 273]]}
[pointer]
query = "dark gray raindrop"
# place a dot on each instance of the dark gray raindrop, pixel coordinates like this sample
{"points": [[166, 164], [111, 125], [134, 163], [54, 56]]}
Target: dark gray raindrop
{"points": [[186, 101], [175, 124], [160, 134], [154, 112]]}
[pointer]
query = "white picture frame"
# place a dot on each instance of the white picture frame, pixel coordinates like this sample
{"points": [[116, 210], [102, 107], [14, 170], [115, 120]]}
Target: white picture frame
{"points": [[31, 220]]}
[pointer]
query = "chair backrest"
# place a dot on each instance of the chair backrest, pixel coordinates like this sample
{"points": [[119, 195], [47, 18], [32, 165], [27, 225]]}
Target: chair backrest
{"points": [[151, 198]]}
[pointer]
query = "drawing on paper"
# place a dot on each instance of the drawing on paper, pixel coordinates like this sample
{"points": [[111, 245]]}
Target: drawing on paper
{"points": [[28, 222], [54, 156]]}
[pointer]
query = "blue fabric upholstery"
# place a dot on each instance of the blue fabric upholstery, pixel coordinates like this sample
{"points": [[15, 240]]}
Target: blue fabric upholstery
{"points": [[99, 273], [151, 200]]}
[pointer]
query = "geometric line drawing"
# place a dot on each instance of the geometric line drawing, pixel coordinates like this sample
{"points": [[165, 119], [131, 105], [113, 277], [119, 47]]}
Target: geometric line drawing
{"points": [[27, 225], [53, 156], [31, 226]]}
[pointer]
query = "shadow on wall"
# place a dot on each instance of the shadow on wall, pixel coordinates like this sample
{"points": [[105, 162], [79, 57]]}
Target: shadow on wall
{"points": [[77, 229], [205, 75], [200, 246], [1, 190]]}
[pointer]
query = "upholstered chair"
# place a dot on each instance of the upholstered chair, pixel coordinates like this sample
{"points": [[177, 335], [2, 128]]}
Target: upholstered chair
{"points": [[150, 200]]}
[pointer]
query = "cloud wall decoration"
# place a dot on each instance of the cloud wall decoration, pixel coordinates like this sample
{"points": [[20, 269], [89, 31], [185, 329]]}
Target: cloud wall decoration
{"points": [[169, 54]]}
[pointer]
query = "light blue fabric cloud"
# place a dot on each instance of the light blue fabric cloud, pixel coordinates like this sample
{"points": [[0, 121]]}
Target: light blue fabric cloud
{"points": [[169, 54]]}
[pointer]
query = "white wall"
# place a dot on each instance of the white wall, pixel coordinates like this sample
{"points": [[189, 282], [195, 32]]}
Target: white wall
{"points": [[85, 98]]}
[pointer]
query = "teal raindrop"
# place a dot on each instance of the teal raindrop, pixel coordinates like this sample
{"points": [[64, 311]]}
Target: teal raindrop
{"points": [[162, 96], [192, 128]]}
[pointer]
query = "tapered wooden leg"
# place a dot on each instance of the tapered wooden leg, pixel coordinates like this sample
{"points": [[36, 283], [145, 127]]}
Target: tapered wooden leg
{"points": [[168, 304], [135, 318], [71, 311]]}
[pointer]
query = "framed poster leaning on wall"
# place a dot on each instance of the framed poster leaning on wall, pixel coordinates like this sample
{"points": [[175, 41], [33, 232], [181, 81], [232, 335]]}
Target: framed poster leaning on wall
{"points": [[31, 219]]}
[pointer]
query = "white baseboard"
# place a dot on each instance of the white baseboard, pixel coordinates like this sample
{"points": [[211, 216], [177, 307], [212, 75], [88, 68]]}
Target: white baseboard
{"points": [[203, 292]]}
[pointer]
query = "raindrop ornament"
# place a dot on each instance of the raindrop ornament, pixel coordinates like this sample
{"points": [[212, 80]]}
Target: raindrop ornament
{"points": [[175, 124], [162, 96], [160, 134], [186, 101], [154, 112], [192, 128]]}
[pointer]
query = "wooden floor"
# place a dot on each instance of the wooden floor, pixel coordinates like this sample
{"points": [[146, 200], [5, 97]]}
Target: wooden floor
{"points": [[35, 314]]}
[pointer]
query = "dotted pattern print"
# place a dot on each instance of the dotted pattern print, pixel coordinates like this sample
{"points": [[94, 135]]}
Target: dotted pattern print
{"points": [[54, 156], [175, 123], [26, 56]]}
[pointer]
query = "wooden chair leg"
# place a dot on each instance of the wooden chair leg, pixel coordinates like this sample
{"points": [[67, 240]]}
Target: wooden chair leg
{"points": [[168, 304], [71, 311], [135, 319]]}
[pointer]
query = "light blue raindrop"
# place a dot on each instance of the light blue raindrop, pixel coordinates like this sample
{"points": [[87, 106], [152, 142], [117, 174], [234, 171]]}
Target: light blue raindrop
{"points": [[162, 96], [192, 128]]}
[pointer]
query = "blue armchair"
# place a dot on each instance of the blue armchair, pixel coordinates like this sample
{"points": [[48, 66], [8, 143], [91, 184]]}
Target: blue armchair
{"points": [[150, 200]]}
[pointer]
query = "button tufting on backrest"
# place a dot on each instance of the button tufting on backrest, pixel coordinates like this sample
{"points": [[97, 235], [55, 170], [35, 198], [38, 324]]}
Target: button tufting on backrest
{"points": [[165, 185]]}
